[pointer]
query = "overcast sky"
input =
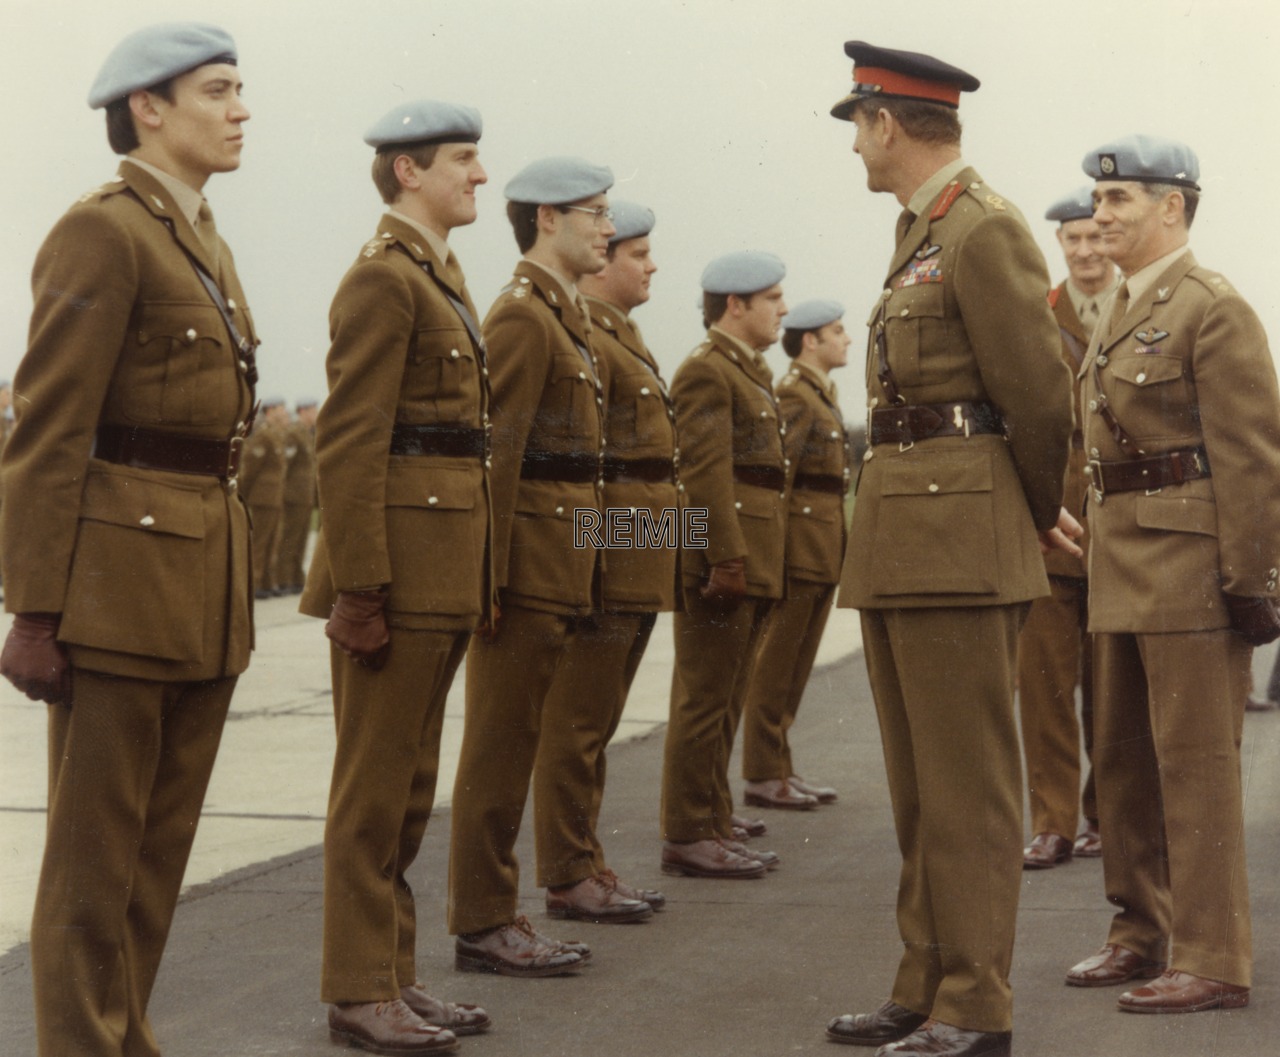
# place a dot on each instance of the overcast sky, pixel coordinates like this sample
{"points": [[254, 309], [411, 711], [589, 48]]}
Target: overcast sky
{"points": [[713, 112]]}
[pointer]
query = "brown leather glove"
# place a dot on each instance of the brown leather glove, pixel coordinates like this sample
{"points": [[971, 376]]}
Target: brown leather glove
{"points": [[358, 625], [1256, 619], [727, 583], [35, 661]]}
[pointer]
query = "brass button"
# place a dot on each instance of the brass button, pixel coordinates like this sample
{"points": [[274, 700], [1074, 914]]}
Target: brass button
{"points": [[191, 335], [559, 510], [453, 354], [1102, 360], [737, 506], [933, 488], [1142, 377], [147, 521], [432, 501], [231, 303], [808, 510]]}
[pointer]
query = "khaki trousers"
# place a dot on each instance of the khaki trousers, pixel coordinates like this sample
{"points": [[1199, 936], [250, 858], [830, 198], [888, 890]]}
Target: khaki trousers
{"points": [[779, 674], [508, 680], [1055, 654], [1169, 722], [129, 763], [943, 686], [295, 527], [714, 647], [380, 799], [579, 718], [266, 545]]}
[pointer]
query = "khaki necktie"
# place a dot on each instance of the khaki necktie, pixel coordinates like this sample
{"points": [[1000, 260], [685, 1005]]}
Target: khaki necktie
{"points": [[1089, 316], [207, 232], [1119, 307]]}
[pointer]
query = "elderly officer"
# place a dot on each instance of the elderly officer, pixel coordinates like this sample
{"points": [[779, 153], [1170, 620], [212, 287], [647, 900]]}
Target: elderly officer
{"points": [[1055, 650], [300, 497], [817, 452], [582, 710], [548, 442], [969, 425], [732, 466], [400, 448], [126, 546], [1182, 426], [262, 486]]}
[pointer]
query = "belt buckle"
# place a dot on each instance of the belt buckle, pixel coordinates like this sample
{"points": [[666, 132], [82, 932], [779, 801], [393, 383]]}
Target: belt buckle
{"points": [[1095, 480], [234, 447]]}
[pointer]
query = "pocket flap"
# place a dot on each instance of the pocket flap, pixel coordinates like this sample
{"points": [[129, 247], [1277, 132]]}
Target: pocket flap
{"points": [[432, 487], [919, 299], [185, 323], [149, 506], [447, 343], [936, 476], [1147, 369], [756, 502], [1175, 513]]}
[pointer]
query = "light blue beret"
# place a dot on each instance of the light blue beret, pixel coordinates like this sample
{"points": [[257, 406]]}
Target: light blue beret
{"points": [[305, 402], [557, 181], [1078, 205], [426, 121], [1146, 159], [744, 272], [810, 315], [275, 400], [631, 219], [156, 53]]}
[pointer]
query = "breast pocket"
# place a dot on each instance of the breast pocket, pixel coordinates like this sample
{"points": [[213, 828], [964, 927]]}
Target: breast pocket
{"points": [[181, 370], [935, 526], [570, 401], [915, 329], [442, 381], [137, 574], [1151, 398]]}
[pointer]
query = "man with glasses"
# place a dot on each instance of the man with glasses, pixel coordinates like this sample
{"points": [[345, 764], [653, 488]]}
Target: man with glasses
{"points": [[547, 413]]}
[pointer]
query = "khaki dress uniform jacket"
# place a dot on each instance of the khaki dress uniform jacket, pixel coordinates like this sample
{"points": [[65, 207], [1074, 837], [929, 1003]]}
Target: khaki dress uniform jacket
{"points": [[583, 708], [942, 558], [548, 433], [1186, 367], [300, 498], [263, 467], [150, 572], [400, 358], [818, 472], [730, 427], [1055, 650]]}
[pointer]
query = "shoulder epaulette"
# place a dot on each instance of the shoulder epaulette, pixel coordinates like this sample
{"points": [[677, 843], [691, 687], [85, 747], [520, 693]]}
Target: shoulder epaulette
{"points": [[1212, 281], [113, 186]]}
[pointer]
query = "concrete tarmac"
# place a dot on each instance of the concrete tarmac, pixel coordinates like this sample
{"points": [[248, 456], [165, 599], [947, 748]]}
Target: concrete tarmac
{"points": [[741, 968]]}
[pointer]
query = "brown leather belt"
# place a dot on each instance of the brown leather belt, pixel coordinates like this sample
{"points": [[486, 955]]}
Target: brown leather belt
{"points": [[1148, 474], [820, 482], [773, 478], [912, 422], [455, 441], [571, 467], [1077, 440], [149, 449], [627, 471]]}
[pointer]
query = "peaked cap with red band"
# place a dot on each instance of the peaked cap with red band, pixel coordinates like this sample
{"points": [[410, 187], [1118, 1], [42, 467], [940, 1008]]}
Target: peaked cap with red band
{"points": [[885, 73]]}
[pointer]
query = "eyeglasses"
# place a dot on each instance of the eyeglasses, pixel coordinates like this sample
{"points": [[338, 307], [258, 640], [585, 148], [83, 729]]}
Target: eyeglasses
{"points": [[599, 214]]}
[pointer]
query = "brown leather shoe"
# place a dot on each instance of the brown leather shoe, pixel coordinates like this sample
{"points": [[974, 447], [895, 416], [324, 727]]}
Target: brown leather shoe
{"points": [[887, 1024], [771, 860], [1113, 964], [936, 1039], [777, 792], [650, 895], [515, 950], [824, 794], [459, 1017], [752, 827], [1088, 844], [593, 899], [1179, 992], [708, 858], [387, 1027], [1045, 851]]}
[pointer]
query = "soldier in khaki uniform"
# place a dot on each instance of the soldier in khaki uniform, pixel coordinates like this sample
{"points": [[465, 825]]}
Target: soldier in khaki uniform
{"points": [[402, 569], [1182, 428], [548, 443], [262, 486], [1055, 650], [126, 545], [582, 709], [300, 497], [969, 427], [732, 465], [817, 462]]}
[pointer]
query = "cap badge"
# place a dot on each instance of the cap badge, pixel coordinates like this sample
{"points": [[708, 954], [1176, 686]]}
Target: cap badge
{"points": [[1107, 163]]}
